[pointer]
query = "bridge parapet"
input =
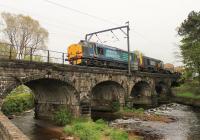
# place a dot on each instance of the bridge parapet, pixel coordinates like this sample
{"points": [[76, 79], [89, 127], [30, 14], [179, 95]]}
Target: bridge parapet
{"points": [[8, 131]]}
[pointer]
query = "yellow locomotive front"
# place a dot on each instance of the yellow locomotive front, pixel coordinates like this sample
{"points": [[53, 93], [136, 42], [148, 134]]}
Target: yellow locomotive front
{"points": [[75, 53]]}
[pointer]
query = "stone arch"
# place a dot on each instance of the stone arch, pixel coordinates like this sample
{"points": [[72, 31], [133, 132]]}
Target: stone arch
{"points": [[105, 93], [141, 89], [50, 93], [162, 89], [142, 95], [117, 80], [19, 81]]}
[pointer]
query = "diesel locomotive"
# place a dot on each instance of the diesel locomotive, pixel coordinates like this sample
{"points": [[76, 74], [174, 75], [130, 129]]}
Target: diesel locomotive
{"points": [[100, 55]]}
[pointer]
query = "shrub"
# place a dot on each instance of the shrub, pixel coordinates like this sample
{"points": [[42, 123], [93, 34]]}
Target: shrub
{"points": [[84, 130], [17, 103], [140, 110], [116, 106], [69, 130], [133, 110], [88, 130], [119, 135], [188, 90], [62, 116]]}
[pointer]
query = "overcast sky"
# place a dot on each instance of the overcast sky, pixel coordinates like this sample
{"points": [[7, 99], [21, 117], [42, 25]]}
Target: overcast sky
{"points": [[153, 23]]}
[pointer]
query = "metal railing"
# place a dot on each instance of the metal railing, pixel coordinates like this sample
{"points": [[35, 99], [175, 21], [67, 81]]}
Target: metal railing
{"points": [[34, 55]]}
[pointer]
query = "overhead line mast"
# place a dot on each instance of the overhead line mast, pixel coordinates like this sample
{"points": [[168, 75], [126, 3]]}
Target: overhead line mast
{"points": [[126, 33]]}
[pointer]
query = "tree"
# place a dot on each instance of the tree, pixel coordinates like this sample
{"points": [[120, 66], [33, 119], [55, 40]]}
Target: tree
{"points": [[190, 42], [24, 33], [6, 51]]}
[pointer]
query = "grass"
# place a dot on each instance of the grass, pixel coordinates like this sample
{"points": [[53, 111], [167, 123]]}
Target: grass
{"points": [[140, 114], [89, 130], [188, 95], [133, 110], [189, 90]]}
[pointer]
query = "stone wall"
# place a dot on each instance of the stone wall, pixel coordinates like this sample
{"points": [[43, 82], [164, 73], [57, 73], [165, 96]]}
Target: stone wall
{"points": [[8, 131], [79, 80]]}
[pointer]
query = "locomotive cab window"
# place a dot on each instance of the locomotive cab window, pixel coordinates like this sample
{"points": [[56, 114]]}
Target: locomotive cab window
{"points": [[153, 63], [100, 51], [148, 62]]}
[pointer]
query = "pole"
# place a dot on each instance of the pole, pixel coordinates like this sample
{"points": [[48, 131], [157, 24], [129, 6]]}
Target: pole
{"points": [[31, 54], [10, 56], [63, 58], [128, 45], [89, 36], [48, 57]]}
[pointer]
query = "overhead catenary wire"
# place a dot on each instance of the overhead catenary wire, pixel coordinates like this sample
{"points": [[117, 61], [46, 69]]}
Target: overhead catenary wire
{"points": [[81, 12], [115, 35], [86, 14], [57, 28], [98, 38], [47, 21], [50, 32]]}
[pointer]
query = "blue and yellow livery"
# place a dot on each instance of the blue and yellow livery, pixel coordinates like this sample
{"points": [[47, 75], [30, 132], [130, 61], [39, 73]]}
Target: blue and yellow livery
{"points": [[100, 55]]}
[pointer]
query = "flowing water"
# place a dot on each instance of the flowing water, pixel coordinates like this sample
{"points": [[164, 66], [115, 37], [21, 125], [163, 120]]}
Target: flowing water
{"points": [[37, 129], [186, 126]]}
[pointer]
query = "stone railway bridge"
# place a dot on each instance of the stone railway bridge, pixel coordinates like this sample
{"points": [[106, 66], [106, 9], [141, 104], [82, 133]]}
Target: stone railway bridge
{"points": [[79, 88]]}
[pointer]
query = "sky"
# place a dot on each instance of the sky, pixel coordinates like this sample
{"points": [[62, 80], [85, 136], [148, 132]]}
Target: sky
{"points": [[153, 23]]}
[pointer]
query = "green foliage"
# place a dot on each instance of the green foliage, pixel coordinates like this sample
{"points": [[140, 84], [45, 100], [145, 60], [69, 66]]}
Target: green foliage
{"points": [[115, 105], [190, 43], [34, 58], [192, 87], [188, 95], [62, 116], [119, 135], [133, 110], [187, 74], [19, 100], [20, 89], [188, 90], [17, 103], [26, 32], [89, 130], [84, 130], [6, 51]]}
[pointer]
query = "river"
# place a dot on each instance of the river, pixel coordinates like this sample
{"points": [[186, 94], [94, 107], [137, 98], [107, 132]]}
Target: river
{"points": [[37, 129], [186, 126]]}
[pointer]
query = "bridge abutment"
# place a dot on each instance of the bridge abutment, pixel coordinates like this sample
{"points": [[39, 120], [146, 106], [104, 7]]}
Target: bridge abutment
{"points": [[8, 131]]}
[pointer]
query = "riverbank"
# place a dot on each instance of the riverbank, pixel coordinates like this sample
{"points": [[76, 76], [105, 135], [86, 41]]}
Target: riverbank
{"points": [[101, 130], [38, 129], [187, 101], [187, 119], [187, 94], [143, 115]]}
